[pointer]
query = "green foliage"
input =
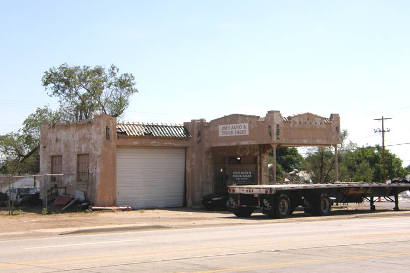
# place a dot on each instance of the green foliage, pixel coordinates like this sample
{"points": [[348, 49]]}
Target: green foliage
{"points": [[32, 124], [86, 91], [19, 150], [17, 158], [360, 164], [82, 92], [363, 172], [44, 211], [17, 212], [320, 163], [365, 164], [288, 159]]}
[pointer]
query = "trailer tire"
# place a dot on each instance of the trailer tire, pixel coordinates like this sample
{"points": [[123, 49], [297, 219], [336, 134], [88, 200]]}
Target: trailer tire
{"points": [[321, 206], [243, 212], [268, 205], [282, 206]]}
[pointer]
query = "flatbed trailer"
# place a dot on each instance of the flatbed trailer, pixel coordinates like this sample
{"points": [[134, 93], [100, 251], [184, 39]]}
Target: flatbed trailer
{"points": [[279, 201]]}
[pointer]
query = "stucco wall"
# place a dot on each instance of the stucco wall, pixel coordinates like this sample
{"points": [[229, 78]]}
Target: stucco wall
{"points": [[310, 129], [88, 137], [303, 129], [199, 162], [106, 161]]}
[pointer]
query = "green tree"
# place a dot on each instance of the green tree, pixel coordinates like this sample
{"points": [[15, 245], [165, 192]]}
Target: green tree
{"points": [[394, 166], [32, 124], [355, 164], [13, 149], [320, 164], [365, 164], [287, 159], [86, 91], [19, 150]]}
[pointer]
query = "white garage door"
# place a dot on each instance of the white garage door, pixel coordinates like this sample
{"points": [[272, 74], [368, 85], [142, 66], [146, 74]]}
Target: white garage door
{"points": [[150, 178]]}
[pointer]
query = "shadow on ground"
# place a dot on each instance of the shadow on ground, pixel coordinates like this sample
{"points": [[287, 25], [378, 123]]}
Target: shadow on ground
{"points": [[339, 212]]}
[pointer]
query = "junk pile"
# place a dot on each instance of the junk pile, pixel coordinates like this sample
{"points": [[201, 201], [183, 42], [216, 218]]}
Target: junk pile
{"points": [[64, 202]]}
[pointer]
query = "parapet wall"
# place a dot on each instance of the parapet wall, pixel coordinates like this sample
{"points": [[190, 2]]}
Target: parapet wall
{"points": [[299, 130]]}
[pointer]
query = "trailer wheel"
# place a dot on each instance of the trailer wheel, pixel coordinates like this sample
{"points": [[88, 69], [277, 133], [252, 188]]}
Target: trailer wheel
{"points": [[243, 212], [321, 206], [282, 207], [268, 207]]}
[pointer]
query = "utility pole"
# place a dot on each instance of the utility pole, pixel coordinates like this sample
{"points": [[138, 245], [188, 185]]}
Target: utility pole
{"points": [[382, 130]]}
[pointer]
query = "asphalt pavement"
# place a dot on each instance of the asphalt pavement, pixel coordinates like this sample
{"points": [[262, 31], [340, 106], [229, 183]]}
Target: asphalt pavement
{"points": [[376, 244]]}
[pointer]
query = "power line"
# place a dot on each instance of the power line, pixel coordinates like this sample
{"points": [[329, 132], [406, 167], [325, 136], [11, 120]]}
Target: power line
{"points": [[358, 148], [398, 144]]}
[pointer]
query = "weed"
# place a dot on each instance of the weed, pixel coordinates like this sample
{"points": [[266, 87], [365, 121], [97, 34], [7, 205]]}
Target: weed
{"points": [[16, 212]]}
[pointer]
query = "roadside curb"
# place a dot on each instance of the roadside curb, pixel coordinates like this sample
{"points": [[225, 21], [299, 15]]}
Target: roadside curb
{"points": [[116, 228]]}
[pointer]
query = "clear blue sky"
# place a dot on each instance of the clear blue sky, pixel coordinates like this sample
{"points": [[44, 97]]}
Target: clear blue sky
{"points": [[206, 59]]}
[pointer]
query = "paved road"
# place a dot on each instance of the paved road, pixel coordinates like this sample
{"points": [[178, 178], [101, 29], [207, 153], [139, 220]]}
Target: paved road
{"points": [[379, 244]]}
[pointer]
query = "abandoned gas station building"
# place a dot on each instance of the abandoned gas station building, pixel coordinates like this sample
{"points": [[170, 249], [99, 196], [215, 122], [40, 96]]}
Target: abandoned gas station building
{"points": [[156, 165]]}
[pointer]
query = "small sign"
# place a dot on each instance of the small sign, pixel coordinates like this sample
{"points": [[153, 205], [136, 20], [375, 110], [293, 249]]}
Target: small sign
{"points": [[240, 129], [243, 177]]}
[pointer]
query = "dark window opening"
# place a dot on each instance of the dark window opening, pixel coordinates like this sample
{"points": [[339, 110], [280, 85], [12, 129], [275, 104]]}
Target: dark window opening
{"points": [[107, 133], [82, 168]]}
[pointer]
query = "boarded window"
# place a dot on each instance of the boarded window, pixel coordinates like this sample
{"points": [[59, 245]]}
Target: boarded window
{"points": [[82, 168], [56, 164], [56, 167]]}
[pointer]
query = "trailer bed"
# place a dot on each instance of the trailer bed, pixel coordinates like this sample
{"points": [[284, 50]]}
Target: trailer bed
{"points": [[280, 200], [270, 189]]}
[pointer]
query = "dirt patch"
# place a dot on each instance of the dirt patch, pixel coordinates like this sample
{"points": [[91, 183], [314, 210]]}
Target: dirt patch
{"points": [[34, 223]]}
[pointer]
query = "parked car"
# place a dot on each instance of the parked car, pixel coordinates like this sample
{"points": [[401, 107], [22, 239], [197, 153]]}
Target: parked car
{"points": [[215, 201], [3, 199], [21, 195]]}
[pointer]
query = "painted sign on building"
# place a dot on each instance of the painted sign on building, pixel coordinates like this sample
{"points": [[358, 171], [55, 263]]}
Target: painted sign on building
{"points": [[239, 129], [243, 177]]}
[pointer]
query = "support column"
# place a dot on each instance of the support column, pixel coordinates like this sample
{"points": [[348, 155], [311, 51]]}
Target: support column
{"points": [[336, 165], [274, 163], [396, 202], [372, 206], [263, 165], [259, 166]]}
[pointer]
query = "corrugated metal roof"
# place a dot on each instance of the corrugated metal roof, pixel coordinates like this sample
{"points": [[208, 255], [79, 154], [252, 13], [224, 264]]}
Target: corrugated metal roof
{"points": [[155, 130]]}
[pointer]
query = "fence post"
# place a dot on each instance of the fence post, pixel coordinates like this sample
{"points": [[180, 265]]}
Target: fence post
{"points": [[9, 202], [46, 190]]}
